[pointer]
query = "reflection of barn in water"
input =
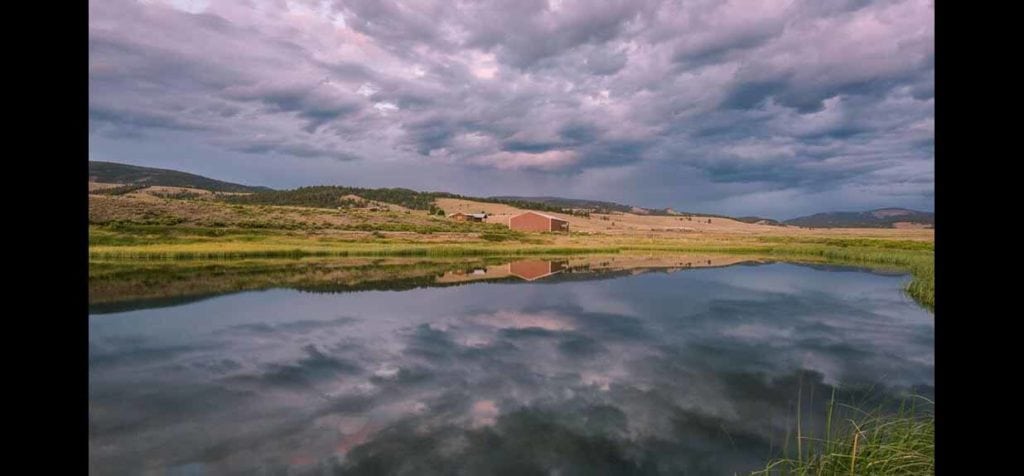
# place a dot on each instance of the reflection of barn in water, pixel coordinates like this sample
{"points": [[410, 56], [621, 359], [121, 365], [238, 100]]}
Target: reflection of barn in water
{"points": [[533, 269]]}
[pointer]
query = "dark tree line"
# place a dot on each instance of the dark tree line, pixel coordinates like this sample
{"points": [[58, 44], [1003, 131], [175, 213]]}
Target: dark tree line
{"points": [[335, 196]]}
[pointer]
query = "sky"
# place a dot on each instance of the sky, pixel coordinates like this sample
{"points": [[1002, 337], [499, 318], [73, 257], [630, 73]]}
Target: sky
{"points": [[768, 108]]}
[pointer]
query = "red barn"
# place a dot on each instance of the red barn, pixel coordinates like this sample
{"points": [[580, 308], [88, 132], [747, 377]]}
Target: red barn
{"points": [[533, 221]]}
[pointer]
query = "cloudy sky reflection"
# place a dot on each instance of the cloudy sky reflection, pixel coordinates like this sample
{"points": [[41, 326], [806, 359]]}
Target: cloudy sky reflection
{"points": [[695, 371]]}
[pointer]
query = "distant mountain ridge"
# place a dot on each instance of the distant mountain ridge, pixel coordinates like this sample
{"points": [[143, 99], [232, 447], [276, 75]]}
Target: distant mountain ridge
{"points": [[111, 172], [569, 203], [599, 206], [878, 218]]}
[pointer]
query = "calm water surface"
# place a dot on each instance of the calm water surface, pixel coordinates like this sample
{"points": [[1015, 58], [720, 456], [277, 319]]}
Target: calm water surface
{"points": [[692, 372]]}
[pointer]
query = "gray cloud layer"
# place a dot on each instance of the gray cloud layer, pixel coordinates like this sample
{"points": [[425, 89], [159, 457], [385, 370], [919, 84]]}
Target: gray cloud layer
{"points": [[775, 107]]}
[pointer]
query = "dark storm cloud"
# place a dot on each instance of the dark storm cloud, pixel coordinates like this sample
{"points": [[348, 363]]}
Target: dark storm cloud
{"points": [[308, 101], [524, 33], [129, 119], [580, 346], [755, 107]]}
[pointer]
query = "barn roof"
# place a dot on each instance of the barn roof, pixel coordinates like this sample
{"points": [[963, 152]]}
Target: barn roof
{"points": [[541, 214]]}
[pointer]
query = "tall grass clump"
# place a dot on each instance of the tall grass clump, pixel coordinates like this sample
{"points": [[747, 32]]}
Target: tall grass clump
{"points": [[922, 284], [865, 442]]}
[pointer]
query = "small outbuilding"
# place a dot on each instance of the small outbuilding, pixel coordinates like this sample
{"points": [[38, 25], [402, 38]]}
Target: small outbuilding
{"points": [[533, 221], [459, 216]]}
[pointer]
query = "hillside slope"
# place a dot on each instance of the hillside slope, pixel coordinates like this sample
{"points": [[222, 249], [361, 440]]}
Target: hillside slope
{"points": [[107, 178], [594, 205], [114, 173], [879, 218], [618, 223]]}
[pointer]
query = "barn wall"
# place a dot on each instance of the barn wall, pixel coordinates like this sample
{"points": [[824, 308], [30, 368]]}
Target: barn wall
{"points": [[529, 222], [535, 222]]}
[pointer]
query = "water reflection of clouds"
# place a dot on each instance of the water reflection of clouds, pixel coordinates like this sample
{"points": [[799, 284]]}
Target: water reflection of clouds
{"points": [[505, 319], [598, 298], [699, 371]]}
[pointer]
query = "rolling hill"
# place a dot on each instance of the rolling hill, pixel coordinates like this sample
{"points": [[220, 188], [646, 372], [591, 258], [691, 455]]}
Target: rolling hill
{"points": [[131, 177], [598, 206], [760, 221], [878, 218], [110, 172], [595, 205]]}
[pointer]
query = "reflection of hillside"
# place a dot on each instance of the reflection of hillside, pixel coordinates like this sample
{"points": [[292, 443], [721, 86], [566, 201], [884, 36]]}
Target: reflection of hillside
{"points": [[581, 267], [123, 286], [118, 286], [474, 273]]}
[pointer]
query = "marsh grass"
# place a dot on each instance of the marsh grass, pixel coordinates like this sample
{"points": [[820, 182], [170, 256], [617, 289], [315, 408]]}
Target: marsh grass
{"points": [[160, 242], [864, 442], [915, 257]]}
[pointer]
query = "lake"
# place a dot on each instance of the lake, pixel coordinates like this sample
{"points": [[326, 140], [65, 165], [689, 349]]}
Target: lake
{"points": [[529, 367]]}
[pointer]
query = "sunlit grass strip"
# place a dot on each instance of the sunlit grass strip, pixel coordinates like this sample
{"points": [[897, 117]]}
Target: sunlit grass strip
{"points": [[866, 443], [917, 257], [398, 251]]}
